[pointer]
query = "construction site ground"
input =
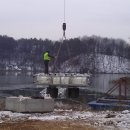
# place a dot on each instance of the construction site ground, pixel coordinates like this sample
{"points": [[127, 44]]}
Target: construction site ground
{"points": [[46, 125]]}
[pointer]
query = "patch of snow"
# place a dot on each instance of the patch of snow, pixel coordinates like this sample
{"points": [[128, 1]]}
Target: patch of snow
{"points": [[29, 68], [125, 112], [62, 110], [9, 116], [21, 98], [44, 94], [13, 66], [101, 63], [61, 92], [52, 117], [120, 120]]}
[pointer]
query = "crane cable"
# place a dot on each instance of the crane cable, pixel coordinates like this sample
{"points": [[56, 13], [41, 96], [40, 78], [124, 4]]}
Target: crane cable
{"points": [[64, 24], [64, 36]]}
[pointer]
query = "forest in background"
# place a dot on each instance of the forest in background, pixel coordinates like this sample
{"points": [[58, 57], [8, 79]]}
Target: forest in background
{"points": [[28, 52]]}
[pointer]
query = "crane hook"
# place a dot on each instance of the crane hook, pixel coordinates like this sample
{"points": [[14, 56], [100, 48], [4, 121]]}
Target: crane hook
{"points": [[64, 29]]}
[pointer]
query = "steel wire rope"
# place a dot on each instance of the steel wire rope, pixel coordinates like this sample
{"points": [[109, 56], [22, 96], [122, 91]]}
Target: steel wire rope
{"points": [[63, 38]]}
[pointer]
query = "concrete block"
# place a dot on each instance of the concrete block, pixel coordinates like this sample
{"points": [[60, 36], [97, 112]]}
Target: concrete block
{"points": [[2, 103], [29, 105], [62, 79]]}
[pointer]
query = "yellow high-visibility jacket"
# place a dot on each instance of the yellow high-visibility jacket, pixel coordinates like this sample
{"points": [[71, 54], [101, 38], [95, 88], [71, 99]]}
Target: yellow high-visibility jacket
{"points": [[46, 56]]}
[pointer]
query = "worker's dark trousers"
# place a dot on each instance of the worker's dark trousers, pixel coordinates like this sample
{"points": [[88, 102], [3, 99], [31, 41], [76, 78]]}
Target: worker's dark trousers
{"points": [[46, 66]]}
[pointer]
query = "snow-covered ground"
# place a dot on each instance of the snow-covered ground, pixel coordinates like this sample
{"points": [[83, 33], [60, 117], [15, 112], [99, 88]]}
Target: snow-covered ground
{"points": [[107, 119], [99, 63]]}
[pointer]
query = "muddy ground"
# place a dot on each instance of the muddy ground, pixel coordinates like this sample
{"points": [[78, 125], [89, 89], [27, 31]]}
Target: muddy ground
{"points": [[46, 125]]}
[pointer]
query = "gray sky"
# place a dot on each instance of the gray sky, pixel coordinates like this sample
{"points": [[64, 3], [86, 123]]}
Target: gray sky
{"points": [[44, 18]]}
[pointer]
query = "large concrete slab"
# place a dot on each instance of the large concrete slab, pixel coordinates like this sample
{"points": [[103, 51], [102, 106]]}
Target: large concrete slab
{"points": [[2, 103], [27, 104], [62, 79]]}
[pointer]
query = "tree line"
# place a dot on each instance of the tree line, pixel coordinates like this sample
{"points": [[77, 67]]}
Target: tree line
{"points": [[29, 51]]}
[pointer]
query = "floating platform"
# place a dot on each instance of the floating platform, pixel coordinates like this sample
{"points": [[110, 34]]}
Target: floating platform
{"points": [[62, 79], [111, 104], [27, 104]]}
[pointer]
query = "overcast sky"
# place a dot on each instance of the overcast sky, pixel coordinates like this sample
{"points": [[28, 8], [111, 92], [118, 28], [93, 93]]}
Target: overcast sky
{"points": [[44, 18]]}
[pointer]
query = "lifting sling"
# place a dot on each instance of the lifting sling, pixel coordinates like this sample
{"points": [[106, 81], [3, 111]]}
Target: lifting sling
{"points": [[63, 39]]}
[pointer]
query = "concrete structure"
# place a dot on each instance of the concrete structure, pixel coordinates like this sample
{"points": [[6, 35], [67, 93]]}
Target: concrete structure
{"points": [[26, 104], [62, 79], [2, 103], [71, 81]]}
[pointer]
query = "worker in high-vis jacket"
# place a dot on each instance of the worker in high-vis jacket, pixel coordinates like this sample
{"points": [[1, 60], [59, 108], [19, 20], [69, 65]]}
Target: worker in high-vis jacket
{"points": [[47, 57]]}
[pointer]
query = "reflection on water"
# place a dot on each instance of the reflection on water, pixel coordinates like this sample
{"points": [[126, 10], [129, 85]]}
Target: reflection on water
{"points": [[18, 80], [102, 82], [15, 80]]}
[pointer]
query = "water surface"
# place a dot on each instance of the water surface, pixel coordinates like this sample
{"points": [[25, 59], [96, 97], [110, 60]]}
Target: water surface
{"points": [[22, 83]]}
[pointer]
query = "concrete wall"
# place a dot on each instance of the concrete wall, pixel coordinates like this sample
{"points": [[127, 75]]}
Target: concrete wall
{"points": [[2, 103], [29, 104]]}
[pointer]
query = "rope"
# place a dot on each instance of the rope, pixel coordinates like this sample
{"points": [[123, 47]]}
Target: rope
{"points": [[64, 24], [57, 55], [64, 10], [63, 38]]}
